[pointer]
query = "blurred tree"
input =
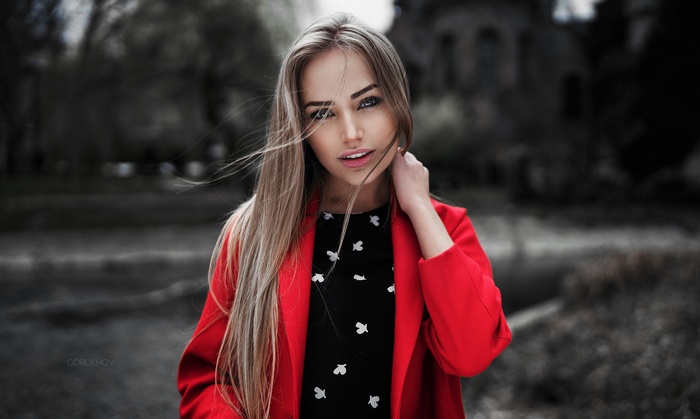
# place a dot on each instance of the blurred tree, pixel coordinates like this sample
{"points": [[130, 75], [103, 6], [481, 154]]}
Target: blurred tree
{"points": [[104, 18], [281, 20], [81, 123], [159, 80], [216, 51], [645, 93], [666, 106], [30, 39]]}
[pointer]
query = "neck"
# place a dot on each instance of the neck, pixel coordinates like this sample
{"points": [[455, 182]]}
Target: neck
{"points": [[336, 198]]}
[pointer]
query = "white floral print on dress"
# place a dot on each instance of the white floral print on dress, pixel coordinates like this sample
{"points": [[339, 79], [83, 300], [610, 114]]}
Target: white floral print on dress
{"points": [[361, 328]]}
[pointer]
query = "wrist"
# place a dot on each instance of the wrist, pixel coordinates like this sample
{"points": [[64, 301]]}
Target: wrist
{"points": [[418, 208], [430, 230]]}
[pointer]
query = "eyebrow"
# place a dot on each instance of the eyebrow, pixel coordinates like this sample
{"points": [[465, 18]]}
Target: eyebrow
{"points": [[363, 91], [352, 96]]}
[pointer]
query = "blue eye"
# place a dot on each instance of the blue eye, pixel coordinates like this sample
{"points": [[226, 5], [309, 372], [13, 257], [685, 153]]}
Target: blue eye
{"points": [[321, 114], [370, 102]]}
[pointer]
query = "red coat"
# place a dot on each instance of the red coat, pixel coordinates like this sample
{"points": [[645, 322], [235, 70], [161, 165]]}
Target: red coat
{"points": [[449, 323]]}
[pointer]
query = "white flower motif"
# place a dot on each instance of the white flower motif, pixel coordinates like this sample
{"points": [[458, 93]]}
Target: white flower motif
{"points": [[374, 219], [340, 369], [320, 394], [374, 401], [361, 328], [359, 278], [318, 278], [327, 216], [333, 256], [357, 247], [392, 288]]}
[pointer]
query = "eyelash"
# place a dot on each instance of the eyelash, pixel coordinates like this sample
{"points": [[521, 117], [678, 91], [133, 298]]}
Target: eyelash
{"points": [[374, 102], [324, 113], [320, 114]]}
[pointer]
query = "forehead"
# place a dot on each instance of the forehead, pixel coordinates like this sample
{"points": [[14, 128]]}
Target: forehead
{"points": [[334, 74]]}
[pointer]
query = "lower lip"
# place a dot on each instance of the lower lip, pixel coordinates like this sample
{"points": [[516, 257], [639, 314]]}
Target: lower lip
{"points": [[358, 162]]}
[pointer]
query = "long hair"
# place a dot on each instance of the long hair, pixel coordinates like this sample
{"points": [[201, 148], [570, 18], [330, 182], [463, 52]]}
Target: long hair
{"points": [[266, 228]]}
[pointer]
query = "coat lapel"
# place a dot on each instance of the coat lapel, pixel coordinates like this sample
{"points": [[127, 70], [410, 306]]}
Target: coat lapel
{"points": [[409, 302], [295, 289]]}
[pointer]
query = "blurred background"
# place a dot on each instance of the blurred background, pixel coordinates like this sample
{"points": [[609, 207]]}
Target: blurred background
{"points": [[568, 128]]}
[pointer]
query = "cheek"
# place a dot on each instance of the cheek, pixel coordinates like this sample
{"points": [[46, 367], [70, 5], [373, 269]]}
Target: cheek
{"points": [[318, 146], [320, 134], [389, 158], [386, 126]]}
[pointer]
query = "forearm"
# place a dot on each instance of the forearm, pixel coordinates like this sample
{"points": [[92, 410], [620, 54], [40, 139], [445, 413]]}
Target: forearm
{"points": [[432, 235], [412, 188]]}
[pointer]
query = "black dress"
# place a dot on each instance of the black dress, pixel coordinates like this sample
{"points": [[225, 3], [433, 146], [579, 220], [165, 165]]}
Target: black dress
{"points": [[350, 338]]}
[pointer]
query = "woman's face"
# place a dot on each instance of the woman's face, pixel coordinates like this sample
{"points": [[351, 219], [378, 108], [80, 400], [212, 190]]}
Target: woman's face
{"points": [[350, 124]]}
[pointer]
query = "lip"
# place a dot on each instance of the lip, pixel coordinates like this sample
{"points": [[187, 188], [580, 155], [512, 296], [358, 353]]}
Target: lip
{"points": [[356, 158]]}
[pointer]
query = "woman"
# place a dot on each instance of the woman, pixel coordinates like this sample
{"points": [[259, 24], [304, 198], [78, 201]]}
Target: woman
{"points": [[340, 288]]}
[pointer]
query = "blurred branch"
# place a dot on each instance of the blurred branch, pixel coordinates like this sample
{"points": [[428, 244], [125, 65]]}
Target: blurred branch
{"points": [[96, 15], [29, 39], [104, 19]]}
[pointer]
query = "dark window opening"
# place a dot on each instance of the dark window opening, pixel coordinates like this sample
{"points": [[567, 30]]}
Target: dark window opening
{"points": [[572, 97], [524, 58], [488, 46], [449, 61]]}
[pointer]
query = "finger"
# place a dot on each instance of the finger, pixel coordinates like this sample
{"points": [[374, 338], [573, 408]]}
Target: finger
{"points": [[411, 159], [398, 156]]}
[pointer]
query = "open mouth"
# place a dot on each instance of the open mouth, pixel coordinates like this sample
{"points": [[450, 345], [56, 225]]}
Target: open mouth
{"points": [[356, 155], [357, 159]]}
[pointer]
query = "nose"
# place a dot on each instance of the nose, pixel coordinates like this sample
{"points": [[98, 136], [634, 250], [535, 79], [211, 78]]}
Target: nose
{"points": [[351, 130]]}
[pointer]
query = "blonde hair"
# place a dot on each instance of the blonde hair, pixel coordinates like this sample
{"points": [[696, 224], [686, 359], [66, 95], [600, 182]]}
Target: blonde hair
{"points": [[264, 229]]}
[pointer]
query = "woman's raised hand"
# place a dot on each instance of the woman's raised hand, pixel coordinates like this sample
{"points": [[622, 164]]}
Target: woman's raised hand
{"points": [[411, 182], [412, 188]]}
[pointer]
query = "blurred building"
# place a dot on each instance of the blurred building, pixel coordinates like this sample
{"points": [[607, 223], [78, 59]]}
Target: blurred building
{"points": [[524, 77]]}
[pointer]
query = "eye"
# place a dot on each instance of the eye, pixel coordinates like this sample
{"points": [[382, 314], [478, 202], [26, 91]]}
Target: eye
{"points": [[369, 102], [321, 114]]}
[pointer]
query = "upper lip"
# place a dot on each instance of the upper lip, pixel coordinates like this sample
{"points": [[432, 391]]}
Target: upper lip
{"points": [[356, 153]]}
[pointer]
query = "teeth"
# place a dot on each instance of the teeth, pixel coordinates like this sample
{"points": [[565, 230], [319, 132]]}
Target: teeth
{"points": [[357, 155]]}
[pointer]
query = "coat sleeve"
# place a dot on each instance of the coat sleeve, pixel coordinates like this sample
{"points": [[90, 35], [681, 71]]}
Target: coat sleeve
{"points": [[465, 327], [196, 379]]}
